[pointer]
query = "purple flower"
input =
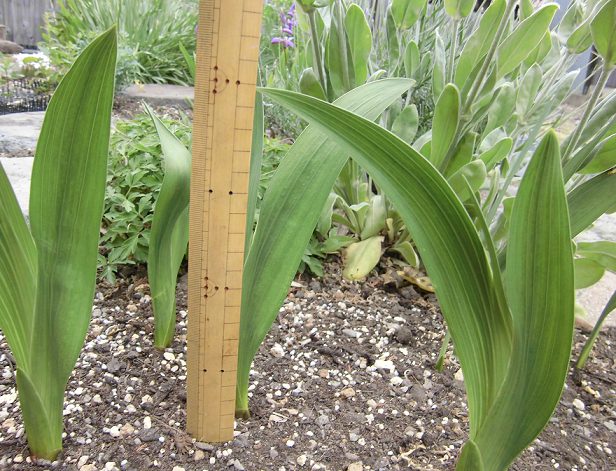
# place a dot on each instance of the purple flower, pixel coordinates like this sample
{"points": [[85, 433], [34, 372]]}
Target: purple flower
{"points": [[288, 23]]}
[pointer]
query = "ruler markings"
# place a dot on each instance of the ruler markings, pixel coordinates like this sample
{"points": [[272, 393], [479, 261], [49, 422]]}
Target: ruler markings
{"points": [[221, 160]]}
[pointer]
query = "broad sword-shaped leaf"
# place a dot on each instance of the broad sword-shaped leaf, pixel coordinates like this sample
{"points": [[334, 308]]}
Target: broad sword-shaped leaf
{"points": [[169, 234]]}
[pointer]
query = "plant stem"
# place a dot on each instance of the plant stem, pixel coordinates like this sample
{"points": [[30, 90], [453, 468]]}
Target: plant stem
{"points": [[595, 332], [452, 50], [594, 98], [316, 51], [478, 83]]}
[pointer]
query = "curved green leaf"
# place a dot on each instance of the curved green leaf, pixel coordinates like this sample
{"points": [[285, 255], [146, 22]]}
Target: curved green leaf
{"points": [[445, 124], [539, 288], [289, 212], [360, 41], [520, 43], [445, 237], [590, 200], [169, 233]]}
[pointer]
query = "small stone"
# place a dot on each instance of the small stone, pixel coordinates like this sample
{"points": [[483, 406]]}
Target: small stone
{"points": [[110, 466], [338, 295], [277, 351], [18, 459], [351, 333], [347, 393], [199, 455], [97, 399], [82, 461], [178, 468], [147, 422], [385, 365], [114, 431], [88, 467], [324, 374], [459, 376], [147, 399], [301, 460], [579, 405], [127, 429], [149, 435], [169, 356], [322, 420], [273, 453], [290, 443], [237, 465], [204, 446], [357, 466], [404, 335], [611, 426], [396, 381]]}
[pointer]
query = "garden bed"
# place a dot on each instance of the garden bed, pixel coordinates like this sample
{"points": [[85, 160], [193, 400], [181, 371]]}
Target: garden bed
{"points": [[324, 395]]}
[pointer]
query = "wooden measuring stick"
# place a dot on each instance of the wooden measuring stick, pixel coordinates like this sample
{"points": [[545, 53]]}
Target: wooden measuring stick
{"points": [[227, 59]]}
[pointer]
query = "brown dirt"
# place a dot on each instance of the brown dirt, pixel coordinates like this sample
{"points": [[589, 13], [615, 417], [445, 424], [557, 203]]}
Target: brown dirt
{"points": [[319, 406]]}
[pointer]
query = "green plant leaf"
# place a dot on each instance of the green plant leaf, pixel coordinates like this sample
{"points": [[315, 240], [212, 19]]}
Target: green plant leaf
{"points": [[406, 124], [444, 235], [445, 124], [609, 307], [309, 84], [412, 61], [360, 41], [376, 215], [338, 58], [479, 42], [529, 87], [17, 274], [497, 153], [289, 212], [66, 206], [438, 67], [256, 160], [539, 287], [406, 12], [604, 157], [459, 9], [520, 43], [590, 200], [587, 272], [603, 31], [361, 257], [603, 252], [169, 233], [407, 252], [501, 110], [474, 174]]}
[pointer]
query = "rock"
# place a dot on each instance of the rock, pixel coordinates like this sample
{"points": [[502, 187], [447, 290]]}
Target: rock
{"points": [[114, 366], [114, 431], [204, 446], [277, 351], [9, 47], [178, 468], [322, 420], [147, 422], [610, 425], [408, 292], [338, 295], [199, 455], [88, 467], [301, 460], [351, 333], [579, 405], [357, 466], [169, 356], [149, 435], [347, 393], [273, 453], [82, 461], [396, 381], [127, 429], [404, 335], [237, 465], [315, 285], [385, 365]]}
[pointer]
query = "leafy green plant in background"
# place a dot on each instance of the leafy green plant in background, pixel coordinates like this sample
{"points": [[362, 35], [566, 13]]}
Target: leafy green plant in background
{"points": [[48, 271], [149, 35], [134, 178]]}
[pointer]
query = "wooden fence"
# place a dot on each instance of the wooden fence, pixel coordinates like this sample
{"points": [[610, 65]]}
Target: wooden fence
{"points": [[23, 19]]}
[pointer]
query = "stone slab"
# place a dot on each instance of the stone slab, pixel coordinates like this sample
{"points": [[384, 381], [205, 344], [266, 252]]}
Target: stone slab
{"points": [[19, 133], [156, 94]]}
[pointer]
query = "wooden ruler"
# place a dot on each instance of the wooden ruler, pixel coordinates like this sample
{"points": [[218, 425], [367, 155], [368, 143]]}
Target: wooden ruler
{"points": [[227, 59]]}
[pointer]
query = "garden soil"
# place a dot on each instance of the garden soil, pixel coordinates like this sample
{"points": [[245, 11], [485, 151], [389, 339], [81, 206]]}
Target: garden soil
{"points": [[345, 380]]}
